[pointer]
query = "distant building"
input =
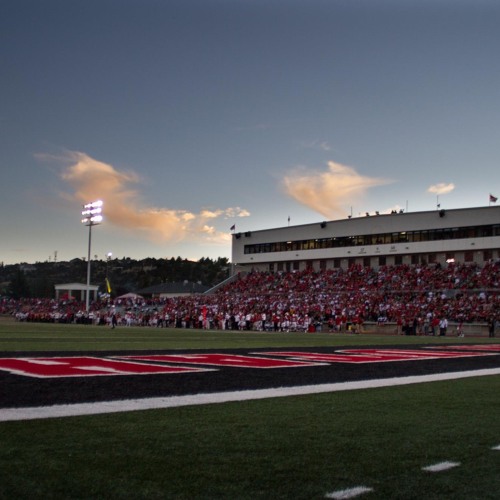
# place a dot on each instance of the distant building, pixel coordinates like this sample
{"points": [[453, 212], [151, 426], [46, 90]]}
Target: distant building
{"points": [[466, 235], [76, 291]]}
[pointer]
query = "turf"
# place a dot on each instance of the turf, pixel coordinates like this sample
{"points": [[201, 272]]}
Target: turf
{"points": [[16, 336], [297, 447]]}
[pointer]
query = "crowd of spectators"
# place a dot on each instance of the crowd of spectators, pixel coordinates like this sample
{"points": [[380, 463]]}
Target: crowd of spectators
{"points": [[414, 298]]}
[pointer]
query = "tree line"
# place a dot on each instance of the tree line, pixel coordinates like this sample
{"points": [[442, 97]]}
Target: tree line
{"points": [[124, 275]]}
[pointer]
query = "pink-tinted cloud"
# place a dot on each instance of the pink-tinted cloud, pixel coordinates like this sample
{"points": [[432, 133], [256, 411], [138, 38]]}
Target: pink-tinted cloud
{"points": [[441, 188], [330, 193], [91, 179]]}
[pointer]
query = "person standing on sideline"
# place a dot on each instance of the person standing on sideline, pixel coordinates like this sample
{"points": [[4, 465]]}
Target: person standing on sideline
{"points": [[491, 327], [443, 326], [114, 321], [434, 324]]}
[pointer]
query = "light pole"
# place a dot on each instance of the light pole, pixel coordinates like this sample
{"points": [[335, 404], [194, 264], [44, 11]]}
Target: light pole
{"points": [[91, 217]]}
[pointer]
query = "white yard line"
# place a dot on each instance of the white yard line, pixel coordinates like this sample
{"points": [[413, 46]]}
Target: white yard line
{"points": [[70, 410], [349, 493], [440, 467]]}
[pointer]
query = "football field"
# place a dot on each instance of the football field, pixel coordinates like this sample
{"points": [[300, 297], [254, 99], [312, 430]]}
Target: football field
{"points": [[89, 412]]}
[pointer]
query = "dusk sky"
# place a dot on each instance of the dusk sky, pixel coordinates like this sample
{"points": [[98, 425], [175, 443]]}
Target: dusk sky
{"points": [[187, 117]]}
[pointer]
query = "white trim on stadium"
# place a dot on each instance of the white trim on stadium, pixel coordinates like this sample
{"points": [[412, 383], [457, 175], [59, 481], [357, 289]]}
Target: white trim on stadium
{"points": [[465, 235]]}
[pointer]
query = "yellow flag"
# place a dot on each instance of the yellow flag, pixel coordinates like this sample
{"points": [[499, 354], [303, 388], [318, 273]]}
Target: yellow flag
{"points": [[108, 285]]}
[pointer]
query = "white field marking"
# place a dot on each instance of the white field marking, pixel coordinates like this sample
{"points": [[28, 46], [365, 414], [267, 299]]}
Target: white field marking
{"points": [[31, 413], [497, 448], [441, 466], [349, 493]]}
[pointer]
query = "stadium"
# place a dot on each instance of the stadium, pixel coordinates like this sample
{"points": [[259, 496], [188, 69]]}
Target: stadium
{"points": [[467, 235], [203, 409]]}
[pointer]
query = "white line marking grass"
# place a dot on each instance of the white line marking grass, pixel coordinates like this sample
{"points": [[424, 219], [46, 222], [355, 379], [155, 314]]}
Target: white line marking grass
{"points": [[349, 493], [497, 448], [441, 466], [10, 414]]}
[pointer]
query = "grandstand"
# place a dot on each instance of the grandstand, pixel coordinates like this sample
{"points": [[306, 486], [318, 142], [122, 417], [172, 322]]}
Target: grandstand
{"points": [[466, 235], [410, 298], [407, 270]]}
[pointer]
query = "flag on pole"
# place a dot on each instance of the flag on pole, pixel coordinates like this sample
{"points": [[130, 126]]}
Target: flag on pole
{"points": [[493, 199], [108, 285], [233, 227]]}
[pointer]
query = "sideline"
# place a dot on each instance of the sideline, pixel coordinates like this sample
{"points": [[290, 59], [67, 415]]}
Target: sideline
{"points": [[80, 409]]}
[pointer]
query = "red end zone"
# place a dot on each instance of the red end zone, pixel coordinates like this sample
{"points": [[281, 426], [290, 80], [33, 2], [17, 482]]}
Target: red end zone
{"points": [[83, 366], [155, 364], [375, 355], [233, 360]]}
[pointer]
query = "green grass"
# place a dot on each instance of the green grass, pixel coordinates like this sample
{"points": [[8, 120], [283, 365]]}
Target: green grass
{"points": [[296, 447], [16, 336]]}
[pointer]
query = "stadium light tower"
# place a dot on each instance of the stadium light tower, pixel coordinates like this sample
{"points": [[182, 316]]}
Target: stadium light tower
{"points": [[92, 215]]}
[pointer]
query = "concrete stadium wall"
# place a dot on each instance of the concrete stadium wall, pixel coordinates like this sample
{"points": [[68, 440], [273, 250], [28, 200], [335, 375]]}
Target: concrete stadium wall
{"points": [[469, 329]]}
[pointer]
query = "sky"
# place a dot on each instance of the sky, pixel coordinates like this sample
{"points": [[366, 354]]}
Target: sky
{"points": [[189, 117]]}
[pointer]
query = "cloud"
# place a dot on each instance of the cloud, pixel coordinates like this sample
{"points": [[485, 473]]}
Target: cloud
{"points": [[123, 208], [441, 188], [226, 213], [330, 192]]}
